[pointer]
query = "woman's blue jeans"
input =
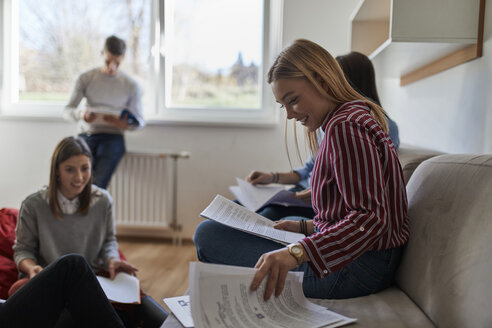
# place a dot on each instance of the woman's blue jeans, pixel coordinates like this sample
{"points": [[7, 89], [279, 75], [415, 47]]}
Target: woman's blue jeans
{"points": [[107, 150], [369, 273]]}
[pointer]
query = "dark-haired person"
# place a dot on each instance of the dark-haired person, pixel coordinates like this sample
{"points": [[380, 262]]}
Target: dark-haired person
{"points": [[359, 72], [73, 216], [108, 91]]}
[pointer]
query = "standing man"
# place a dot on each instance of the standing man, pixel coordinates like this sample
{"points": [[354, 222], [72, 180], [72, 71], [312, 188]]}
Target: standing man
{"points": [[113, 106]]}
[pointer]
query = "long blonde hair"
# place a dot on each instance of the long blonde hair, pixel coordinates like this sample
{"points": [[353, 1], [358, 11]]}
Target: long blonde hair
{"points": [[306, 59]]}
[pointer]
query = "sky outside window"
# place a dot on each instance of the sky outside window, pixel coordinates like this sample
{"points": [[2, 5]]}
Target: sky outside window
{"points": [[214, 52], [214, 48]]}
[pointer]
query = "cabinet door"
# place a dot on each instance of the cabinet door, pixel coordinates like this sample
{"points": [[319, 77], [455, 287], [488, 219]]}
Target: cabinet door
{"points": [[454, 21]]}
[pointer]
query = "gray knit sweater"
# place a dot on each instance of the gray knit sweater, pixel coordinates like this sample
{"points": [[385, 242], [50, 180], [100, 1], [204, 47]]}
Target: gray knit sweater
{"points": [[42, 237], [113, 93]]}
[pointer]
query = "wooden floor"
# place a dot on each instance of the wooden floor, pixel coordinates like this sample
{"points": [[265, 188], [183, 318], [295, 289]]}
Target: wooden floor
{"points": [[162, 266]]}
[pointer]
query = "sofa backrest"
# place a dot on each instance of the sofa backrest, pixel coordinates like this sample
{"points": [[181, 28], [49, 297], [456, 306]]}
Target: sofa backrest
{"points": [[411, 157], [446, 267]]}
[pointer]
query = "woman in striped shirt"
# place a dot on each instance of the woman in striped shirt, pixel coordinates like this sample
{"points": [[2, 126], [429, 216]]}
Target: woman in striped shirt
{"points": [[353, 245]]}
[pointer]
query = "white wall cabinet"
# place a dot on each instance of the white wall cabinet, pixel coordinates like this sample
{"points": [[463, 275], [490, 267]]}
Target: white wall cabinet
{"points": [[404, 37]]}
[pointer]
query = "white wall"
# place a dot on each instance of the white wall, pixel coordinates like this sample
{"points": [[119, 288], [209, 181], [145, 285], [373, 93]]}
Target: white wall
{"points": [[450, 111], [323, 21], [218, 154]]}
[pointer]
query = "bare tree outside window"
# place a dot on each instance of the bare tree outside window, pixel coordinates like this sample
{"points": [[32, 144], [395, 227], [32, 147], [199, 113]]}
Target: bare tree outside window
{"points": [[59, 39], [213, 56]]}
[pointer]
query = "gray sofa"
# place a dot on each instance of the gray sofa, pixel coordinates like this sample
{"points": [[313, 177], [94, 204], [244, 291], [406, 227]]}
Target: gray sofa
{"points": [[410, 157], [444, 279]]}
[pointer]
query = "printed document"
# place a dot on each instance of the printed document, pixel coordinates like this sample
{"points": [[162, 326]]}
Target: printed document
{"points": [[257, 197], [124, 288], [220, 297], [238, 217], [180, 307]]}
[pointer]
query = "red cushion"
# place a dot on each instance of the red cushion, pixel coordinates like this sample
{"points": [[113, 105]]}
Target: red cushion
{"points": [[8, 220], [8, 275], [8, 270], [122, 256], [18, 284]]}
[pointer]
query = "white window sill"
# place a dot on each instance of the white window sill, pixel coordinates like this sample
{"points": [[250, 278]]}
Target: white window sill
{"points": [[251, 122], [9, 116]]}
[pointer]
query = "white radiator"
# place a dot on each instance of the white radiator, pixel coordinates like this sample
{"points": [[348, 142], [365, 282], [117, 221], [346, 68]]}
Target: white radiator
{"points": [[144, 189]]}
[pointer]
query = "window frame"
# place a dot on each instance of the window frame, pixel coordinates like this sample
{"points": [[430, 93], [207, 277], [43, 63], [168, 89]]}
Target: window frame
{"points": [[159, 114], [9, 63]]}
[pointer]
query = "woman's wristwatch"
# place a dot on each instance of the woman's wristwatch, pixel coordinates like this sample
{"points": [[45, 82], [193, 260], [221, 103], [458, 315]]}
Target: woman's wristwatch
{"points": [[297, 251]]}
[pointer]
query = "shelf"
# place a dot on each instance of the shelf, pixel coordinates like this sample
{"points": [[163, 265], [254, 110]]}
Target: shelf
{"points": [[414, 39]]}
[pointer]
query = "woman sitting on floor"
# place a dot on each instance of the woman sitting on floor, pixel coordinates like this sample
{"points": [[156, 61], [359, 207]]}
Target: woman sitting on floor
{"points": [[73, 216]]}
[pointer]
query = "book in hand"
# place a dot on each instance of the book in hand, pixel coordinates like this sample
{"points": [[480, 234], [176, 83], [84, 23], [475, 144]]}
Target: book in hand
{"points": [[124, 288], [227, 212], [101, 111], [130, 118], [220, 296], [257, 197]]}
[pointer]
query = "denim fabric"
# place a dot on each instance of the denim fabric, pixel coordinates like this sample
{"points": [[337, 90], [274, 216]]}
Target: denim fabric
{"points": [[369, 273], [277, 212], [305, 171], [393, 132], [107, 150]]}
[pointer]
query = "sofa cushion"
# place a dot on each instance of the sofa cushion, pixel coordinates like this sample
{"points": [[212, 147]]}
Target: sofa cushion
{"points": [[390, 308], [410, 157], [447, 263]]}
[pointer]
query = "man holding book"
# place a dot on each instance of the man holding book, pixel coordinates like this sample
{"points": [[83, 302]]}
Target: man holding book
{"points": [[113, 106]]}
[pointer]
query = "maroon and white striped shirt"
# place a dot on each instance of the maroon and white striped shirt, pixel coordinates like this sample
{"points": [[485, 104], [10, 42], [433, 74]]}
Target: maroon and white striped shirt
{"points": [[358, 190]]}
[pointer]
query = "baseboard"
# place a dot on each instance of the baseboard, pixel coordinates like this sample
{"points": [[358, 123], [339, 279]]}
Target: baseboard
{"points": [[146, 232]]}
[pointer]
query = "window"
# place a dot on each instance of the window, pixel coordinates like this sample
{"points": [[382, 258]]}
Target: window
{"points": [[196, 60], [52, 41]]}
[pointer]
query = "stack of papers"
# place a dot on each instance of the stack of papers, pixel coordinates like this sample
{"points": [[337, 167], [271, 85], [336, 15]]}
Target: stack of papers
{"points": [[220, 297]]}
